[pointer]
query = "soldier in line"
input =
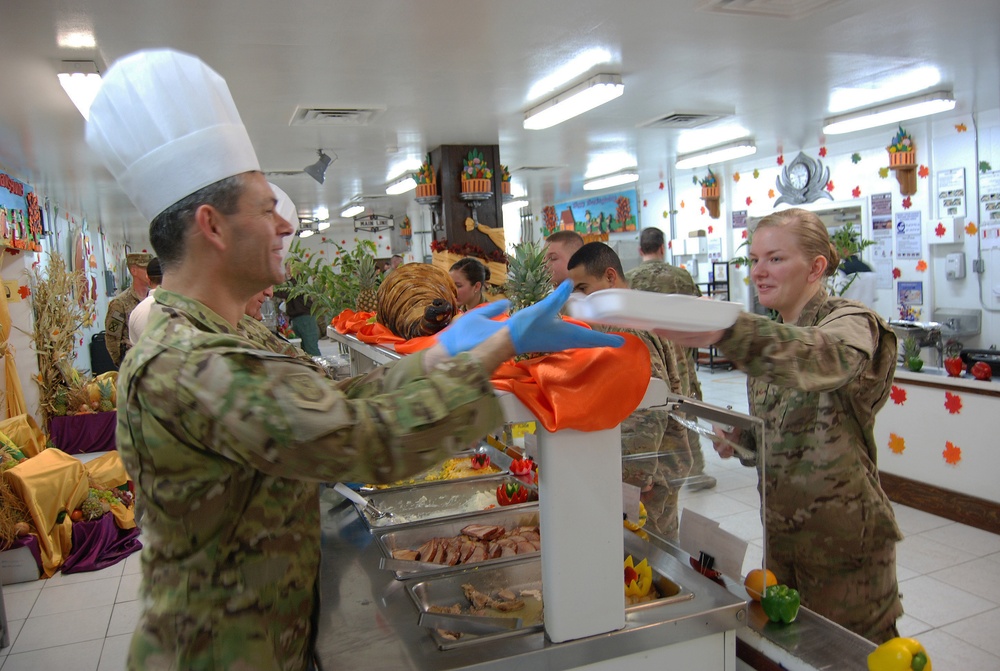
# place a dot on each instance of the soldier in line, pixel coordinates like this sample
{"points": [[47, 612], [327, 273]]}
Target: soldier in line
{"points": [[654, 274], [116, 337], [559, 247], [816, 376], [226, 441], [648, 431], [139, 316]]}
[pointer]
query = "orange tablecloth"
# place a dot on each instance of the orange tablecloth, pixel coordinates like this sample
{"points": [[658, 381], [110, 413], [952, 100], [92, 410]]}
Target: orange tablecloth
{"points": [[581, 389]]}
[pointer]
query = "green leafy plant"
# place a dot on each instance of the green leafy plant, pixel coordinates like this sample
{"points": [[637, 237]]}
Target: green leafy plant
{"points": [[330, 283]]}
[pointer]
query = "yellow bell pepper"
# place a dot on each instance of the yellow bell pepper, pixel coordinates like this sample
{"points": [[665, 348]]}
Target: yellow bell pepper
{"points": [[638, 578], [642, 519], [899, 654]]}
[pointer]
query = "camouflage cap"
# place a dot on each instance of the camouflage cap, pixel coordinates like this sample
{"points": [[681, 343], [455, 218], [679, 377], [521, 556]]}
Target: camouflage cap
{"points": [[140, 259]]}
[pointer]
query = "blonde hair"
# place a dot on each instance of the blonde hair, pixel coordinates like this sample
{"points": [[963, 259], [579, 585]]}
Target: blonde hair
{"points": [[810, 233]]}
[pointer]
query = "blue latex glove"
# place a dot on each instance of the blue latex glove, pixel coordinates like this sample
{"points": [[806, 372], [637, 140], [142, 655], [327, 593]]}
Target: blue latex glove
{"points": [[540, 329], [472, 328]]}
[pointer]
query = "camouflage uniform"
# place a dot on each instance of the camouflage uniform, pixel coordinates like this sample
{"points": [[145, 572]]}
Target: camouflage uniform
{"points": [[226, 442], [817, 385], [255, 331], [655, 275], [652, 431], [116, 323]]}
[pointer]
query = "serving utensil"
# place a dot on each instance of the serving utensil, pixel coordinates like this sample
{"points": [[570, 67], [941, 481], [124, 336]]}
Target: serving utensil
{"points": [[365, 504]]}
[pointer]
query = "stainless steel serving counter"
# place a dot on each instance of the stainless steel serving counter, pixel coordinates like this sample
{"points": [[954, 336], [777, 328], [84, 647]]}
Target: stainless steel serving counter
{"points": [[368, 621]]}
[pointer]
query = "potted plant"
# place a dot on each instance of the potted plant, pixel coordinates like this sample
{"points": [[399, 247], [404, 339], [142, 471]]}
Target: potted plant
{"points": [[330, 283], [504, 180]]}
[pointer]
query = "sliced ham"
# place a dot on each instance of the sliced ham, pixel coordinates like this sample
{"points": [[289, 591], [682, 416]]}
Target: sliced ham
{"points": [[409, 555], [484, 532]]}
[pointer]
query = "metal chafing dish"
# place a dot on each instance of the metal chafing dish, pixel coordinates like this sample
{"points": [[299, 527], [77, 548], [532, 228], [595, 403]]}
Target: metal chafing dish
{"points": [[415, 535], [424, 502], [498, 459], [525, 575]]}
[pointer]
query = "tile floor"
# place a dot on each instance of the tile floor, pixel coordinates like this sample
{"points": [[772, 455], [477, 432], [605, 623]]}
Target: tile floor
{"points": [[949, 575]]}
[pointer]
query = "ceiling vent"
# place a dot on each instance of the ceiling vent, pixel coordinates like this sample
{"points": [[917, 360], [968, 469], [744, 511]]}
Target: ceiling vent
{"points": [[334, 116], [781, 9], [682, 120]]}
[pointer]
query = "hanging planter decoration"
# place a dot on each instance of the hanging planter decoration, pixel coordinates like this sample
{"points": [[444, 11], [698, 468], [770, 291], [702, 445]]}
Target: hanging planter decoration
{"points": [[903, 161], [710, 193], [476, 175], [426, 179]]}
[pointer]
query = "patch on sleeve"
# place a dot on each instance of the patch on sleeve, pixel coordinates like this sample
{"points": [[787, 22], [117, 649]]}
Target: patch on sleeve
{"points": [[307, 391]]}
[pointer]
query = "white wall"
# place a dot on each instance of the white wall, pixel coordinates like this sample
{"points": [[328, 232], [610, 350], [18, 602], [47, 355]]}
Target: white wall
{"points": [[940, 146]]}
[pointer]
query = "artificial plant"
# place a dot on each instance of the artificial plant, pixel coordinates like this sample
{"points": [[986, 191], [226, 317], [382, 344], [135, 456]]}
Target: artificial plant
{"points": [[330, 283]]}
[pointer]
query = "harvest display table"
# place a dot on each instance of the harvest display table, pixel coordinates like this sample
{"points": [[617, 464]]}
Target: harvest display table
{"points": [[78, 434]]}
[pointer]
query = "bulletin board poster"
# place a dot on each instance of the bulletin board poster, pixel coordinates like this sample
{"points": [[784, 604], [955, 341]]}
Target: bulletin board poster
{"points": [[740, 219], [909, 239], [881, 251], [951, 193], [989, 198], [910, 293], [20, 215], [607, 213]]}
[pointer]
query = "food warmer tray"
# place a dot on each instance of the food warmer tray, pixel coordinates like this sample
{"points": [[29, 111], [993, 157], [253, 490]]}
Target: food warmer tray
{"points": [[413, 536], [497, 458], [431, 501], [518, 575]]}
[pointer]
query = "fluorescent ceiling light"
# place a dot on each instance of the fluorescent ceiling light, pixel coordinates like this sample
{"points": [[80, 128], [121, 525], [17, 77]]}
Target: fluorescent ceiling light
{"points": [[726, 152], [306, 233], [401, 185], [874, 90], [81, 81], [322, 225], [321, 212], [696, 139], [577, 66], [605, 164], [890, 113], [76, 39], [352, 210], [611, 180], [583, 97]]}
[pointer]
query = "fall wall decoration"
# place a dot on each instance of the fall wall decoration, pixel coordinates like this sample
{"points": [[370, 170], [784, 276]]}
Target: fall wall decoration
{"points": [[903, 161]]}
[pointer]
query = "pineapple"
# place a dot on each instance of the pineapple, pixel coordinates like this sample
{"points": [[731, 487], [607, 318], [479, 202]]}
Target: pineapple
{"points": [[911, 354], [367, 283], [528, 278], [107, 390]]}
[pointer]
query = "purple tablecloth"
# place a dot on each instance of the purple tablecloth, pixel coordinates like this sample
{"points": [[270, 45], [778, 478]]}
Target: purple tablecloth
{"points": [[77, 434], [100, 544]]}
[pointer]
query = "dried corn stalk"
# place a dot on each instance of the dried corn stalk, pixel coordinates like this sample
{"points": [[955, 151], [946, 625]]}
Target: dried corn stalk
{"points": [[62, 308]]}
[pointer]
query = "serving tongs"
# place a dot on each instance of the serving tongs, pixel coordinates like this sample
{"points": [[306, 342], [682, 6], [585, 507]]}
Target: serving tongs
{"points": [[365, 504]]}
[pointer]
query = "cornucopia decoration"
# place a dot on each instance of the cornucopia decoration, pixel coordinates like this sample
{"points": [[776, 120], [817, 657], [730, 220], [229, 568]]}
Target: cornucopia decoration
{"points": [[416, 299]]}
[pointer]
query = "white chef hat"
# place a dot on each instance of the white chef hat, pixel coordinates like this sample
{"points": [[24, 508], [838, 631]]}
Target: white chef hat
{"points": [[285, 209], [165, 125]]}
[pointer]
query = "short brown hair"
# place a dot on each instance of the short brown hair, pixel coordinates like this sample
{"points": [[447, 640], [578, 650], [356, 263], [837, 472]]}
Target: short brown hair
{"points": [[571, 239]]}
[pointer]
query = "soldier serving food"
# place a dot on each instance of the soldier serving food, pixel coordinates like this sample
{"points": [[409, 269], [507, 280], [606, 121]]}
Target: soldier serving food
{"points": [[226, 441]]}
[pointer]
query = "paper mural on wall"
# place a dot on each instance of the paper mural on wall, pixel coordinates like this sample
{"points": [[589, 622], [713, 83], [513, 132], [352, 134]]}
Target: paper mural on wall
{"points": [[20, 215], [607, 213]]}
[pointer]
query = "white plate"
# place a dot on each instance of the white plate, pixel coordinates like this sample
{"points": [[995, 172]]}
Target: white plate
{"points": [[648, 310]]}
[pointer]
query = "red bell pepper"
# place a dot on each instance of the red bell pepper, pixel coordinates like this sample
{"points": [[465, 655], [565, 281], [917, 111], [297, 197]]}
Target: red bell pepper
{"points": [[480, 460], [521, 466], [982, 371], [954, 366], [511, 493]]}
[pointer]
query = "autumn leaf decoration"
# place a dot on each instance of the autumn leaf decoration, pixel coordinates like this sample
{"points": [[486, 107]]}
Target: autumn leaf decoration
{"points": [[940, 230], [896, 443], [921, 266], [970, 228], [898, 395], [952, 402], [952, 453]]}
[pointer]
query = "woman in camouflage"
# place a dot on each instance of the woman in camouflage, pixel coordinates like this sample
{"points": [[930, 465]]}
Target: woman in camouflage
{"points": [[816, 375]]}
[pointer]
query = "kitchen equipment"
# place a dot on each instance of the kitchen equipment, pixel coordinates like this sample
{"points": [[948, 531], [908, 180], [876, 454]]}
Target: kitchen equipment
{"points": [[989, 356], [364, 504], [468, 624], [411, 537], [435, 500], [499, 460], [523, 577], [927, 334]]}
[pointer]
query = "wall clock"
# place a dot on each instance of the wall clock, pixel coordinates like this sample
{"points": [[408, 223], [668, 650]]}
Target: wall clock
{"points": [[803, 180]]}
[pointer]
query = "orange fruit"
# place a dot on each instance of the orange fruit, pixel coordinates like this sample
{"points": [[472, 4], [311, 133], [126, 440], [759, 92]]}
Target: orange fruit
{"points": [[757, 581]]}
